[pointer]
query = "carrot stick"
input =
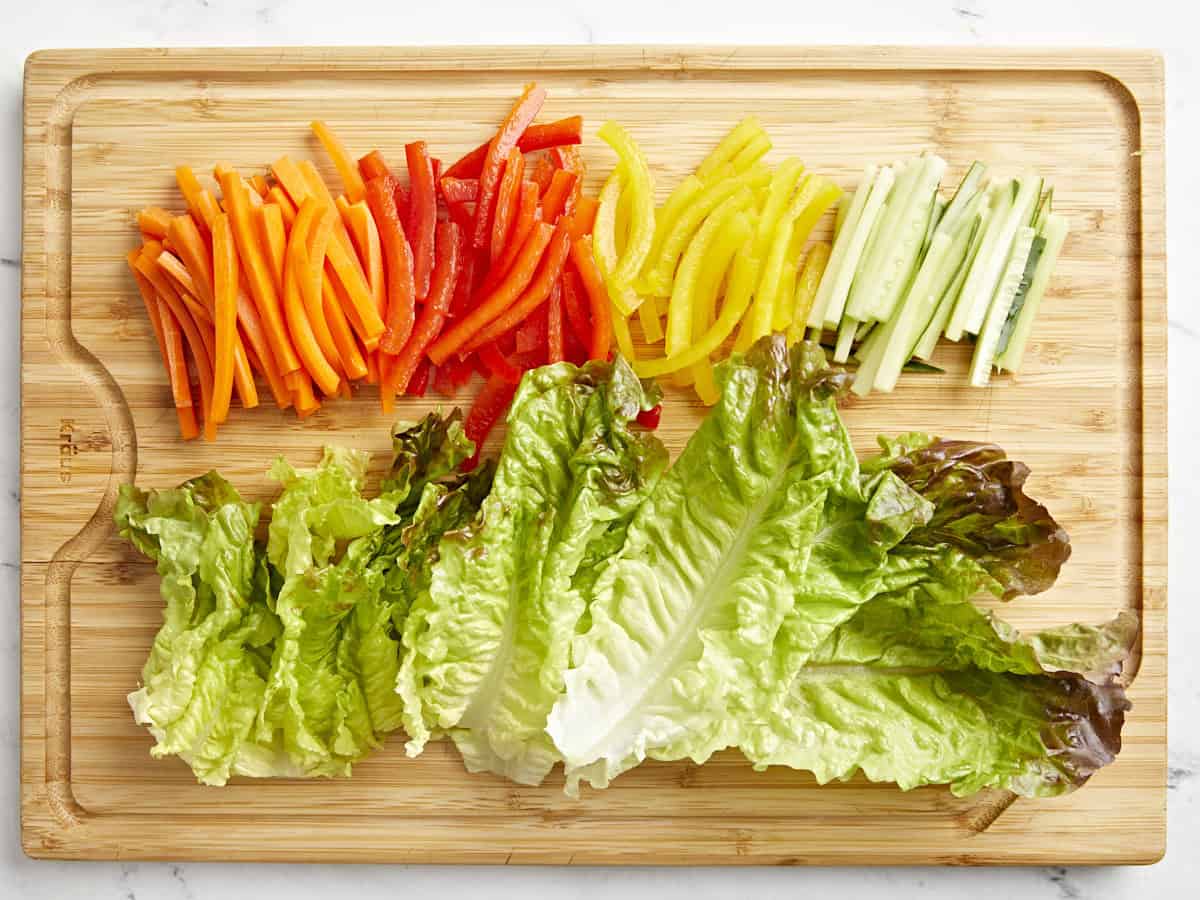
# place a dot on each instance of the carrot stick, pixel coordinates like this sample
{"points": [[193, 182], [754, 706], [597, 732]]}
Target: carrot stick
{"points": [[194, 252], [154, 221], [255, 339], [259, 183], [295, 274], [203, 319], [500, 299], [363, 230], [362, 311], [584, 259], [169, 263], [225, 283], [287, 208], [334, 299], [269, 219], [191, 189], [351, 179], [311, 282], [373, 367], [303, 398], [209, 208], [166, 333], [258, 274], [288, 174]]}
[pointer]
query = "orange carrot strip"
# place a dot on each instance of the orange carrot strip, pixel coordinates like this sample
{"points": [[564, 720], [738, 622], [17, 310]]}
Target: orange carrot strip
{"points": [[365, 318], [500, 299], [191, 189], [584, 259], [166, 333], [255, 339], [303, 398], [295, 273], [289, 176], [194, 252], [203, 319], [209, 208], [169, 263], [351, 179], [269, 219], [225, 283], [258, 274], [154, 221], [311, 283], [287, 208], [353, 364], [365, 234], [373, 367], [259, 183]]}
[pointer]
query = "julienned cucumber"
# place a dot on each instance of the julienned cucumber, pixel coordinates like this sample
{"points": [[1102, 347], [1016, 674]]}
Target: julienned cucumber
{"points": [[988, 341], [1054, 232], [933, 331]]}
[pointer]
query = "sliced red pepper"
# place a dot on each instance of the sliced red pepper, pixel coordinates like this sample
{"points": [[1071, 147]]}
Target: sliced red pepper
{"points": [[462, 215], [558, 198], [506, 138], [464, 288], [569, 158], [649, 418], [584, 216], [584, 259], [498, 300], [489, 407], [531, 334], [373, 165], [499, 365], [554, 325], [534, 295], [575, 304], [452, 376], [433, 314], [573, 350], [397, 259], [436, 165], [420, 380], [536, 137], [422, 213], [402, 197], [507, 200], [542, 175], [528, 215], [459, 190]]}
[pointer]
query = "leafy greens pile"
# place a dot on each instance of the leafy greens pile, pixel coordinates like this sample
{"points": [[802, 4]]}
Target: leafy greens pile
{"points": [[589, 604]]}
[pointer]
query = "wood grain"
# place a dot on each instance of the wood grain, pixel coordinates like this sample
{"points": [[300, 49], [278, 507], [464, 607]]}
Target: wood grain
{"points": [[103, 130]]}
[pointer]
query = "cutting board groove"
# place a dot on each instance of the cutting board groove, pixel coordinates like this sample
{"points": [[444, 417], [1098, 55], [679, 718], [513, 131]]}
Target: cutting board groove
{"points": [[103, 131]]}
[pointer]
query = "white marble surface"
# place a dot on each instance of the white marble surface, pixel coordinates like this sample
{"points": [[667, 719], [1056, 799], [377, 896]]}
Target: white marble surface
{"points": [[1163, 24]]}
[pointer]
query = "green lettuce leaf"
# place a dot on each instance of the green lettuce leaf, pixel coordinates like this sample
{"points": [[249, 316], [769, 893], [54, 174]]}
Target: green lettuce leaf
{"points": [[487, 644]]}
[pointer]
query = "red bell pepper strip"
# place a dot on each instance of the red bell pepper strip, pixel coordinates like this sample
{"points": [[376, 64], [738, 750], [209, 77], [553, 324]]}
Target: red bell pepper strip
{"points": [[569, 158], [499, 365], [397, 258], [422, 213], [584, 216], [403, 200], [534, 295], [507, 200], [420, 379], [531, 333], [528, 215], [542, 175], [489, 407], [433, 313], [462, 214], [464, 288], [536, 137], [584, 259], [436, 165], [575, 305], [506, 138], [449, 378], [558, 200], [459, 190], [373, 165], [575, 352], [498, 300], [554, 325], [649, 418]]}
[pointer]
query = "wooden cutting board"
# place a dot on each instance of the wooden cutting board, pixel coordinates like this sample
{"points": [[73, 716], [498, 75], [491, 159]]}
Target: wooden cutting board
{"points": [[103, 131]]}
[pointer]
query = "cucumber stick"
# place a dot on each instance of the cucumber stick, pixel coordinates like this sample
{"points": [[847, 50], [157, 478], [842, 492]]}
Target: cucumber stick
{"points": [[847, 249], [988, 341], [989, 264], [839, 217], [1054, 233], [941, 315], [847, 332]]}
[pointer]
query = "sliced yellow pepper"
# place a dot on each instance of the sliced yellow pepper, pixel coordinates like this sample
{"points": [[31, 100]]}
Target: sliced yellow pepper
{"points": [[785, 297], [680, 312], [758, 147], [620, 327], [652, 331], [705, 383], [641, 225], [742, 280], [683, 195], [806, 289], [783, 185], [742, 133], [604, 241]]}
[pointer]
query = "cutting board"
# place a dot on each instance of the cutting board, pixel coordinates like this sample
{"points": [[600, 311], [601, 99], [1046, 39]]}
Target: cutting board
{"points": [[103, 131]]}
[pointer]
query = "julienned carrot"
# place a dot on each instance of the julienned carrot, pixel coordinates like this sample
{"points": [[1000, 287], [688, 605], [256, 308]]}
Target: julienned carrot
{"points": [[397, 257], [278, 197], [506, 139], [363, 314], [334, 300], [312, 275], [291, 179], [373, 165], [422, 213], [508, 201], [365, 234], [177, 367], [271, 231], [537, 293], [584, 259], [190, 244], [449, 246], [166, 333], [258, 275], [303, 398], [301, 331], [528, 215], [557, 200], [260, 185], [372, 367], [554, 325], [351, 180], [317, 187], [178, 272], [254, 339], [225, 283], [154, 221], [191, 189], [500, 299], [536, 137]]}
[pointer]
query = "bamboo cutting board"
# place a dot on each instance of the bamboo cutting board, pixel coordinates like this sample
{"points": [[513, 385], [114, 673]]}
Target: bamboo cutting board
{"points": [[103, 131]]}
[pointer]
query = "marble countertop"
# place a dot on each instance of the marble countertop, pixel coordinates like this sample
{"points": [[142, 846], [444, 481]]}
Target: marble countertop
{"points": [[1165, 25]]}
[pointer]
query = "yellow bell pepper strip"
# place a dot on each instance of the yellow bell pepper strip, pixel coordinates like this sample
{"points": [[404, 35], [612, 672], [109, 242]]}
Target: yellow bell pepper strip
{"points": [[779, 192], [742, 280], [733, 237], [652, 331], [704, 382], [660, 277], [604, 242], [641, 185], [806, 288], [620, 329], [683, 195], [750, 154], [742, 133], [785, 297], [680, 312]]}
